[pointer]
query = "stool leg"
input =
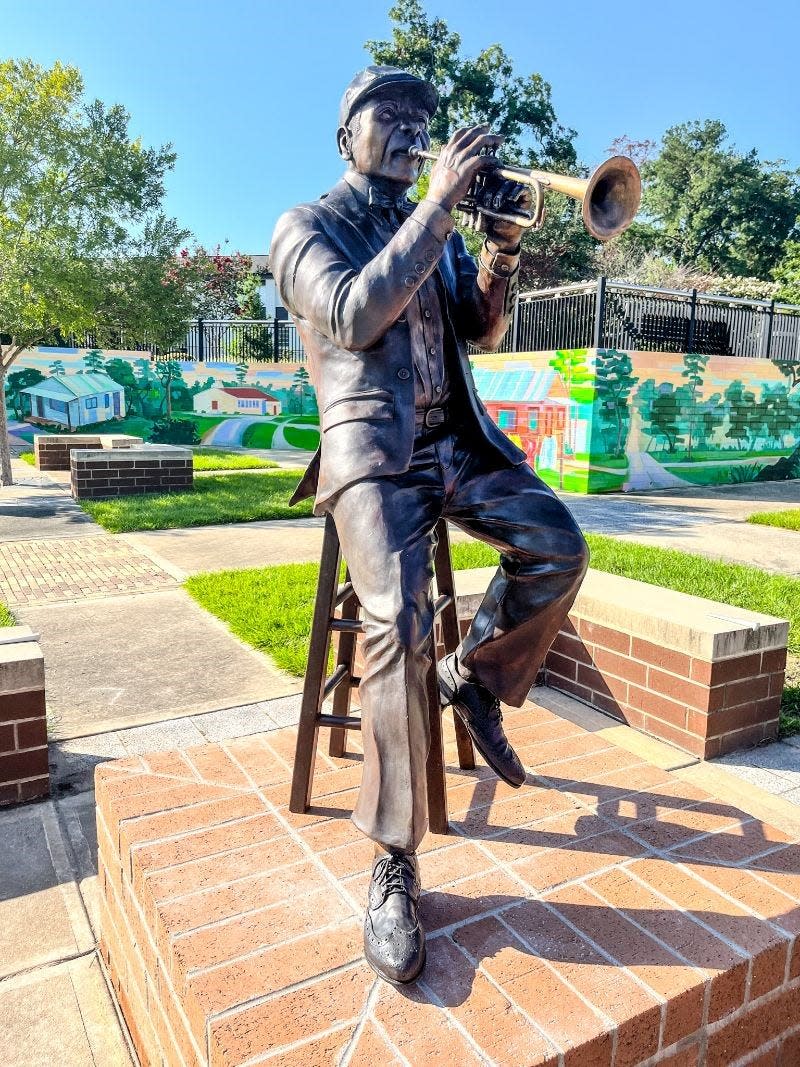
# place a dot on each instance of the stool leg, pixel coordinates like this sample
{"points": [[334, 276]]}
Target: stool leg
{"points": [[445, 586], [435, 769], [308, 728], [346, 654]]}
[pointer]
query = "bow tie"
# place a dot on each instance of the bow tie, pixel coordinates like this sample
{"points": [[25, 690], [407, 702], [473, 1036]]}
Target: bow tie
{"points": [[380, 200]]}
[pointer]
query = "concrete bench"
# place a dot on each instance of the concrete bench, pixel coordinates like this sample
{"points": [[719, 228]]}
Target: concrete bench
{"points": [[704, 676], [52, 451], [24, 773], [99, 473]]}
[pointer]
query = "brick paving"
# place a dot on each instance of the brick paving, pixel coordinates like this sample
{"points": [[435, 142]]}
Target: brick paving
{"points": [[75, 568], [609, 913]]}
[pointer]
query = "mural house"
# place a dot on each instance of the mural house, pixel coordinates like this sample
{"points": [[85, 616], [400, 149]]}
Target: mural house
{"points": [[74, 400], [231, 400]]}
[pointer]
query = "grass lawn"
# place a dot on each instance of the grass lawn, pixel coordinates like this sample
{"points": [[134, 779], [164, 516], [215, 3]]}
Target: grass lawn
{"points": [[788, 520], [134, 425], [271, 607], [259, 435], [214, 499], [217, 459], [206, 459], [302, 437]]}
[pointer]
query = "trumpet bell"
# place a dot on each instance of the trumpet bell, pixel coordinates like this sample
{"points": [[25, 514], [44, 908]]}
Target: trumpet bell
{"points": [[612, 197]]}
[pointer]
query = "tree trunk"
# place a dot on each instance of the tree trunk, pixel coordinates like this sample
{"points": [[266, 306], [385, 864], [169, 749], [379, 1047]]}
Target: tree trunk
{"points": [[5, 444]]}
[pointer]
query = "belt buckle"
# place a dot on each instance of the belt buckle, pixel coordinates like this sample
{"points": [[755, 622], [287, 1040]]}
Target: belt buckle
{"points": [[434, 417]]}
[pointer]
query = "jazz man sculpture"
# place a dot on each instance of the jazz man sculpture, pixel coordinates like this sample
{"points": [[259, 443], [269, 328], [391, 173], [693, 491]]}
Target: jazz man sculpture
{"points": [[385, 298]]}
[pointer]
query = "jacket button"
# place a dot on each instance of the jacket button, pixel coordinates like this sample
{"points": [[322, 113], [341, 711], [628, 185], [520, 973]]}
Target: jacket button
{"points": [[427, 313], [403, 374], [419, 268], [430, 255], [409, 281]]}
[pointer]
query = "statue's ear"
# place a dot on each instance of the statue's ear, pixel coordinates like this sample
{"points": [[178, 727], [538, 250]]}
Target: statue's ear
{"points": [[344, 141]]}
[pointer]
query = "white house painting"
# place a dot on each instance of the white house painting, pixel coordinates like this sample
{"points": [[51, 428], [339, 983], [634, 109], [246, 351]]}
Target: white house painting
{"points": [[229, 400], [74, 400]]}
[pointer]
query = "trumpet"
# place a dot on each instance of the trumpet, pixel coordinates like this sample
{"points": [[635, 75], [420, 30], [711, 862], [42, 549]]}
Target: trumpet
{"points": [[609, 196]]}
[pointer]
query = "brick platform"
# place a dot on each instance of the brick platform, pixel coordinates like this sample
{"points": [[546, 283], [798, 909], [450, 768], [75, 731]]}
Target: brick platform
{"points": [[24, 771], [609, 913], [97, 474], [52, 451]]}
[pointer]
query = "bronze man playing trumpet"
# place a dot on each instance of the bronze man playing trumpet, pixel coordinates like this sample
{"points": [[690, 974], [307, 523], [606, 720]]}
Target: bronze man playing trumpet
{"points": [[385, 297]]}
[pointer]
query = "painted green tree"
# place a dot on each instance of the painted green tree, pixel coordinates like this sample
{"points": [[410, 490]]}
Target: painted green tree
{"points": [[57, 368], [121, 371], [241, 374], [15, 383], [742, 416], [301, 388], [573, 369], [787, 466], [709, 417], [167, 372], [93, 362], [661, 409], [614, 382], [694, 365]]}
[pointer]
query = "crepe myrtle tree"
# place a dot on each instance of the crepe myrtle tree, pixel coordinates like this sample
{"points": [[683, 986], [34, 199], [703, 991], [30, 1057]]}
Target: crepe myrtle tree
{"points": [[84, 244]]}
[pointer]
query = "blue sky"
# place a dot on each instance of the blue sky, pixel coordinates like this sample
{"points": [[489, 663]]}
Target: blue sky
{"points": [[247, 91]]}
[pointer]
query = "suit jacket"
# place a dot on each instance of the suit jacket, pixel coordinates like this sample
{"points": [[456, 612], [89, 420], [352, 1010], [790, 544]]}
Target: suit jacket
{"points": [[349, 292]]}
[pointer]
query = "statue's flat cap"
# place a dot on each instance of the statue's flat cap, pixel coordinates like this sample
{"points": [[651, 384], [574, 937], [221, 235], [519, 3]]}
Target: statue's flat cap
{"points": [[374, 79]]}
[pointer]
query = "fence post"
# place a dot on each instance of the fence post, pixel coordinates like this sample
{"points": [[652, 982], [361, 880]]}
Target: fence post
{"points": [[599, 313], [692, 322], [275, 336], [515, 328], [769, 329], [201, 341]]}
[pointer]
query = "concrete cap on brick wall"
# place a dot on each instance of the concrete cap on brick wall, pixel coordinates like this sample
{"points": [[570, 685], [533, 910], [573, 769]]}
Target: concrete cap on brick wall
{"points": [[21, 660], [690, 624], [140, 451]]}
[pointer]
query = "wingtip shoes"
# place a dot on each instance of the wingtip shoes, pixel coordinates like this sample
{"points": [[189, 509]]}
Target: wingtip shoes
{"points": [[480, 712], [394, 941]]}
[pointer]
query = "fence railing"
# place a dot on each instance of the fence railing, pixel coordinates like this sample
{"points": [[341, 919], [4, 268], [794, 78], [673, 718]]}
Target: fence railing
{"points": [[609, 314], [597, 314]]}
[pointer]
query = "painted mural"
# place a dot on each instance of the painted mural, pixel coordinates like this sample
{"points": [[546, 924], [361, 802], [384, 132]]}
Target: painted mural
{"points": [[589, 421], [221, 404]]}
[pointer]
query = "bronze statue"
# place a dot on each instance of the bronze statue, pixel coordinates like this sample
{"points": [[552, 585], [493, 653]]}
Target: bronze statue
{"points": [[385, 297]]}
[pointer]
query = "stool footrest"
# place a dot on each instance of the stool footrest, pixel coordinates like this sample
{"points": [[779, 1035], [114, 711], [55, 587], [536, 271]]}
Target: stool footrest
{"points": [[441, 603], [335, 679], [347, 626], [344, 722], [343, 592]]}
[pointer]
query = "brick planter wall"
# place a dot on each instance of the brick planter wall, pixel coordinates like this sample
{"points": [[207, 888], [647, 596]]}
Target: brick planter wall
{"points": [[52, 451], [24, 773], [96, 474], [703, 676]]}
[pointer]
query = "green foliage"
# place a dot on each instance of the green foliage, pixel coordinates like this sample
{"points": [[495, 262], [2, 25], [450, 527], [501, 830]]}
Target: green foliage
{"points": [[174, 432], [15, 383], [787, 274], [83, 241], [93, 362], [716, 208], [614, 381], [694, 365], [217, 459], [215, 498], [168, 373], [487, 88], [661, 409], [6, 618], [786, 520]]}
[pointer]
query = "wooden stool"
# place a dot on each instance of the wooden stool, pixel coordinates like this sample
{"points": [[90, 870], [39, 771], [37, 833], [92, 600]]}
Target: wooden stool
{"points": [[317, 687]]}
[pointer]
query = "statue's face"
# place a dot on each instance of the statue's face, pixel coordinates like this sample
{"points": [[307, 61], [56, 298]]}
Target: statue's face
{"points": [[380, 134]]}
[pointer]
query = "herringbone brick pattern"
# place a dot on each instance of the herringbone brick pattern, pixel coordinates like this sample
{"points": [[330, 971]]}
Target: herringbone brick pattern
{"points": [[72, 568], [606, 914]]}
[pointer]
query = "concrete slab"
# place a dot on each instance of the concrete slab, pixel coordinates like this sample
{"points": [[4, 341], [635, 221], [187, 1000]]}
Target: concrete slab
{"points": [[32, 511], [63, 1015], [133, 660], [42, 918]]}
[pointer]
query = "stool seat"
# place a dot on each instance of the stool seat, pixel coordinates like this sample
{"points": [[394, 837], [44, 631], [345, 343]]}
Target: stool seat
{"points": [[333, 597]]}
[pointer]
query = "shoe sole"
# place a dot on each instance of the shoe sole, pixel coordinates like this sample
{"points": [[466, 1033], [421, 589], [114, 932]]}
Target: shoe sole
{"points": [[396, 981], [449, 701]]}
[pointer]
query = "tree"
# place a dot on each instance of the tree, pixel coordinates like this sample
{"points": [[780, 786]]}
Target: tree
{"points": [[717, 208], [121, 371], [93, 362], [57, 368], [16, 382], [661, 407], [614, 382], [301, 387], [741, 406], [241, 374], [83, 242], [167, 371], [694, 365], [487, 88], [571, 367], [220, 285], [787, 274]]}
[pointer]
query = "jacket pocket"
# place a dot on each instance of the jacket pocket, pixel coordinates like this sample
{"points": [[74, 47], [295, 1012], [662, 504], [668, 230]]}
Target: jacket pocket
{"points": [[370, 404]]}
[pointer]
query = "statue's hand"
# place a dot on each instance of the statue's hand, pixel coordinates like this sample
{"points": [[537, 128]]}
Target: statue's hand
{"points": [[459, 163], [505, 196]]}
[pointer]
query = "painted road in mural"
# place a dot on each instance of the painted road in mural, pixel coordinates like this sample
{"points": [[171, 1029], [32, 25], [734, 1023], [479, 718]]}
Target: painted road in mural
{"points": [[231, 431]]}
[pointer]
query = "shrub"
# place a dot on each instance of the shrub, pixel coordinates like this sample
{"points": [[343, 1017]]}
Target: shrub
{"points": [[174, 432]]}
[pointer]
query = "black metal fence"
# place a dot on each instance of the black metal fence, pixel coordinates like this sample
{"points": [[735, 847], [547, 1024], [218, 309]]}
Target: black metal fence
{"points": [[597, 314], [607, 314]]}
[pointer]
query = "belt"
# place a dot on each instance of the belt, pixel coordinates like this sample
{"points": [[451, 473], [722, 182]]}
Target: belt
{"points": [[430, 418]]}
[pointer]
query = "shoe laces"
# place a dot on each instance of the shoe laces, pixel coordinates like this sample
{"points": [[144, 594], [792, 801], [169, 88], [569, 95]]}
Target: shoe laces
{"points": [[495, 711], [393, 873]]}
